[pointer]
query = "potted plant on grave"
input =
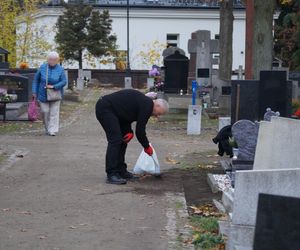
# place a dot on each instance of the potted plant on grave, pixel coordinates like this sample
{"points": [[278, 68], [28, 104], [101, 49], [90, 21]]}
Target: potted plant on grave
{"points": [[157, 84], [235, 148]]}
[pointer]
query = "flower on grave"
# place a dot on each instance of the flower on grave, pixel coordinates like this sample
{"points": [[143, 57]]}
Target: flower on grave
{"points": [[3, 92], [297, 113], [24, 65], [154, 71]]}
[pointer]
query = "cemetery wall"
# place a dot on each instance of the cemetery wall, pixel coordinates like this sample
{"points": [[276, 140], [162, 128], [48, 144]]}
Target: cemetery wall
{"points": [[115, 77]]}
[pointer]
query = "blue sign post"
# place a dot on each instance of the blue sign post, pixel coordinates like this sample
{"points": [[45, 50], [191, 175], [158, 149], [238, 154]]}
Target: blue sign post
{"points": [[194, 91]]}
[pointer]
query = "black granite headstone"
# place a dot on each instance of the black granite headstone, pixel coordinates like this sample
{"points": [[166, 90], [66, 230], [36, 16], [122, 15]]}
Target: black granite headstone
{"points": [[275, 92], [176, 73], [18, 85], [244, 100], [277, 223]]}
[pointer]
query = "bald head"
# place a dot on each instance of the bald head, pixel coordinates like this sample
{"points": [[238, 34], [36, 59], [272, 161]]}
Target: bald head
{"points": [[160, 107]]}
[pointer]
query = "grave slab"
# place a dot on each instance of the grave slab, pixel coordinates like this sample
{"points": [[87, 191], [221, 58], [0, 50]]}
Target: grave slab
{"points": [[249, 184], [278, 144]]}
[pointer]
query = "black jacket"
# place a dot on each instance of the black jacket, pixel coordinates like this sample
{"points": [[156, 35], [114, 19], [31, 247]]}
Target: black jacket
{"points": [[131, 105]]}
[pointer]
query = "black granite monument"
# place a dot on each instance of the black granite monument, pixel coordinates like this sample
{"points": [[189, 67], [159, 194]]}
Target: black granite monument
{"points": [[176, 73], [277, 223]]}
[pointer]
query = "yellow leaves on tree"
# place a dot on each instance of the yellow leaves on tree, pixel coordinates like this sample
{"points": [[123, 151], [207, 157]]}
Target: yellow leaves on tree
{"points": [[12, 13], [285, 2], [8, 13], [152, 54], [32, 44]]}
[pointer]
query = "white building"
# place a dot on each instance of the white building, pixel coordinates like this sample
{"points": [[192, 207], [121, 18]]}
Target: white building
{"points": [[170, 21]]}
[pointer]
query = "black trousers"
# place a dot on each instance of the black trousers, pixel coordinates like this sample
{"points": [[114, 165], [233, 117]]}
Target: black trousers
{"points": [[115, 130]]}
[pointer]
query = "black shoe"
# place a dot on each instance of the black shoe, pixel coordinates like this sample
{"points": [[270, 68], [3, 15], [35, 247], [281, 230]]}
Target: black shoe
{"points": [[115, 179], [127, 175]]}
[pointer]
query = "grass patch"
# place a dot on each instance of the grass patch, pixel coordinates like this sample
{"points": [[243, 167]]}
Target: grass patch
{"points": [[208, 241], [179, 205], [18, 126], [205, 231], [3, 158], [208, 224]]}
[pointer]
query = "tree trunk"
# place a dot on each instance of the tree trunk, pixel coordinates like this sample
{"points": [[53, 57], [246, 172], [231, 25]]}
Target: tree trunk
{"points": [[226, 30], [80, 59], [263, 36]]}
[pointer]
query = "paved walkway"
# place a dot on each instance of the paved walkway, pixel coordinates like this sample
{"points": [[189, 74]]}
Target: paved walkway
{"points": [[55, 197]]}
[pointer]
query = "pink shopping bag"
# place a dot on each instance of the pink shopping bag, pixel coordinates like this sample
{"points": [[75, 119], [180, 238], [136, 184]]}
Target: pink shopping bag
{"points": [[33, 111]]}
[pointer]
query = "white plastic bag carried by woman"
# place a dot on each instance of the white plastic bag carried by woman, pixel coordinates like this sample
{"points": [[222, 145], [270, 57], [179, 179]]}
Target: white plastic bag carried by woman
{"points": [[147, 164]]}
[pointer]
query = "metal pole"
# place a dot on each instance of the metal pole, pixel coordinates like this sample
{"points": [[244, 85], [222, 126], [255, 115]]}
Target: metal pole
{"points": [[128, 62]]}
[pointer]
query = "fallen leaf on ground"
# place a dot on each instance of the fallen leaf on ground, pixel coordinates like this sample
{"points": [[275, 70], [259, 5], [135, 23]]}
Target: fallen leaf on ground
{"points": [[206, 166], [24, 212], [170, 160], [206, 210]]}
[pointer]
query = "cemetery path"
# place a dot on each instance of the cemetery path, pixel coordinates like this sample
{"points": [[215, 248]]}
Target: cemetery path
{"points": [[54, 195]]}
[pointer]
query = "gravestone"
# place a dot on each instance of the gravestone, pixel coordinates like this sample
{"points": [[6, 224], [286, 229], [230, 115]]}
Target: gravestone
{"points": [[201, 48], [245, 134], [67, 79], [277, 223], [194, 120], [278, 144], [244, 100], [249, 184], [80, 82], [223, 122], [176, 73], [275, 92], [128, 83], [18, 85]]}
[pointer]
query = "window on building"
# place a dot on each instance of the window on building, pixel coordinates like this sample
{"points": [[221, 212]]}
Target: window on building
{"points": [[173, 40]]}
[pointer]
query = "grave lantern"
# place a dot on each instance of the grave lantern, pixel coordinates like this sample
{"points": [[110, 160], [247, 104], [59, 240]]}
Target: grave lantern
{"points": [[4, 59]]}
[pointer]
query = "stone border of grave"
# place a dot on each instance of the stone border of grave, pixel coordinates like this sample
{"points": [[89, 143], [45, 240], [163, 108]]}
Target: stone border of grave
{"points": [[266, 165]]}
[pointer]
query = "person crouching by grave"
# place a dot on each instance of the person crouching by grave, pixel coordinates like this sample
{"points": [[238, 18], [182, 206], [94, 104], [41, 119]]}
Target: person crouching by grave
{"points": [[116, 112], [47, 89]]}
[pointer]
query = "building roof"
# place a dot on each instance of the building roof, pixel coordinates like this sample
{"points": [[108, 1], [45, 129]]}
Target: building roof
{"points": [[153, 3], [3, 51]]}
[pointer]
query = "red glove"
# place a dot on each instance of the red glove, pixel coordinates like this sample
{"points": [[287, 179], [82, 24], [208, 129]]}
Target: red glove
{"points": [[149, 150], [127, 138]]}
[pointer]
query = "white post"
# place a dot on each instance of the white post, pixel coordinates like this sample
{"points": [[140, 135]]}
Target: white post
{"points": [[194, 120]]}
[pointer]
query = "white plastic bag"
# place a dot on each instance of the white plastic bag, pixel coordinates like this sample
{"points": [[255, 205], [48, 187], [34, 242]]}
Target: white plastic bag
{"points": [[147, 164]]}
